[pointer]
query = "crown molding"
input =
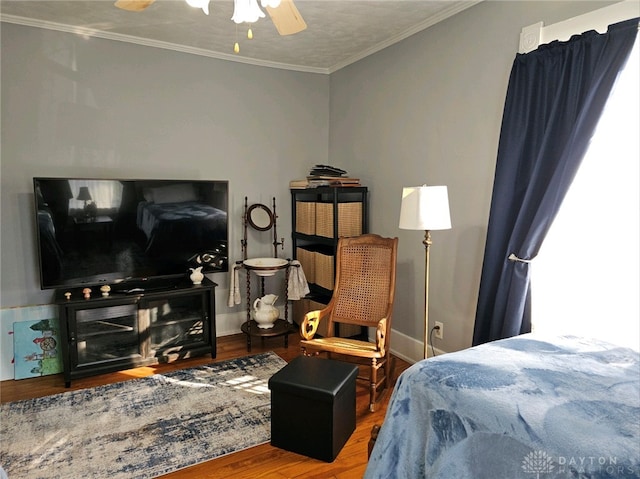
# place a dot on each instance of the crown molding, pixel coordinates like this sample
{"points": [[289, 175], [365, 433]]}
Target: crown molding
{"points": [[455, 8], [92, 33]]}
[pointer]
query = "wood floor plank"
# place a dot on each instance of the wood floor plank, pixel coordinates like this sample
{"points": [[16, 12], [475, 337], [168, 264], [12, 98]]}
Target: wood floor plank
{"points": [[263, 461]]}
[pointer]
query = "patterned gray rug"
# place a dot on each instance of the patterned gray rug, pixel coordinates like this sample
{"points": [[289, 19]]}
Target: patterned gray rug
{"points": [[141, 428]]}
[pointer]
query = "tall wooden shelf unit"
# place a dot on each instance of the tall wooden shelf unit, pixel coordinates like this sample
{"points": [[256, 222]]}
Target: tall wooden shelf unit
{"points": [[320, 216]]}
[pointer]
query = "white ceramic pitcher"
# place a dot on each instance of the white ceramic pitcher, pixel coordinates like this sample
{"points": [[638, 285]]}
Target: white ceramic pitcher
{"points": [[264, 311]]}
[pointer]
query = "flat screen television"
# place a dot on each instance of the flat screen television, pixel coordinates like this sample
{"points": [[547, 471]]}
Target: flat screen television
{"points": [[105, 231]]}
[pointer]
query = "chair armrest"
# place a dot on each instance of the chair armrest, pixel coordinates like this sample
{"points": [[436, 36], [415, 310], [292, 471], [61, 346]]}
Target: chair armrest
{"points": [[310, 323], [381, 335]]}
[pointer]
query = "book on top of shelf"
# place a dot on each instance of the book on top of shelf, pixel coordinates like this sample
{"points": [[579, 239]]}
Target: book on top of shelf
{"points": [[327, 170], [331, 178], [333, 181], [340, 182], [322, 180], [299, 183]]}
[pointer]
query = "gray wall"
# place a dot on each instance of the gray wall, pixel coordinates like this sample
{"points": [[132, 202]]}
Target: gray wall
{"points": [[74, 106], [426, 110]]}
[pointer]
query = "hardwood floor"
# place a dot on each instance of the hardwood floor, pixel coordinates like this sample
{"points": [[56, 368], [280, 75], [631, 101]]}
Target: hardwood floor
{"points": [[262, 461]]}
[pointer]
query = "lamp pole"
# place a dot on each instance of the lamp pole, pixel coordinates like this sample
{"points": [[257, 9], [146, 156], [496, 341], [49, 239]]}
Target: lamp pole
{"points": [[427, 244]]}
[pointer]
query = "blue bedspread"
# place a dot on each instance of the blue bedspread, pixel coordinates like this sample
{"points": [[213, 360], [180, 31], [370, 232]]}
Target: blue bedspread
{"points": [[523, 407]]}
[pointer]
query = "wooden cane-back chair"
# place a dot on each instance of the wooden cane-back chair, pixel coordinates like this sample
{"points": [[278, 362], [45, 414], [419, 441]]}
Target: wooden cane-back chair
{"points": [[363, 295]]}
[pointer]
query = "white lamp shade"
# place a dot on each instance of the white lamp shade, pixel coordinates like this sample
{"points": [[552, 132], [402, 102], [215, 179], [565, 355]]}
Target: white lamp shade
{"points": [[246, 11], [204, 4], [425, 208]]}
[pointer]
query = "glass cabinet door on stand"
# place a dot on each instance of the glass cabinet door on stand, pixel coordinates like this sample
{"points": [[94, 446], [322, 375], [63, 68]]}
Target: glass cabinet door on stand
{"points": [[105, 335], [177, 324]]}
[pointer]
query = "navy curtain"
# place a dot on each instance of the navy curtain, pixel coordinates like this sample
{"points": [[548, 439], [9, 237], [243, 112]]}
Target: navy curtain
{"points": [[555, 97]]}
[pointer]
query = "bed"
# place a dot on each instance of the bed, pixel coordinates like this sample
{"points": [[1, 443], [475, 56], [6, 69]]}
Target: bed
{"points": [[524, 407], [170, 215]]}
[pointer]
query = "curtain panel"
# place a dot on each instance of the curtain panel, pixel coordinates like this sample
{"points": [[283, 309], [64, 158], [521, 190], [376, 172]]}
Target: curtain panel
{"points": [[554, 100]]}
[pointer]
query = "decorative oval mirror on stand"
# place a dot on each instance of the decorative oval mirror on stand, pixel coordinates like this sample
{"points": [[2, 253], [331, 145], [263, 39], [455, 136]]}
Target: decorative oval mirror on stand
{"points": [[260, 217]]}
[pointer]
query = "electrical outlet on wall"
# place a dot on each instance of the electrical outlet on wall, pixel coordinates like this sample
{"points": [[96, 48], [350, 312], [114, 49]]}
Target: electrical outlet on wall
{"points": [[439, 332]]}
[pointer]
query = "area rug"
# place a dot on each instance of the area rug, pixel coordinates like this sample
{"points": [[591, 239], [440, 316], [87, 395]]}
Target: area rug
{"points": [[141, 428]]}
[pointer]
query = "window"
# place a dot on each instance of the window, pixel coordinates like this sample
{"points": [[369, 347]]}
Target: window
{"points": [[106, 194], [585, 280]]}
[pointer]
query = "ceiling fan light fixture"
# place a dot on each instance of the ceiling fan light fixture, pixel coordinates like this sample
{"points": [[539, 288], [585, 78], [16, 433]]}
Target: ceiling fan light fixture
{"points": [[246, 11], [203, 4]]}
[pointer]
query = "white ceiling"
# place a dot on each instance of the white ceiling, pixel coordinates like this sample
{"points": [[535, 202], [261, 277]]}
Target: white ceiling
{"points": [[339, 32]]}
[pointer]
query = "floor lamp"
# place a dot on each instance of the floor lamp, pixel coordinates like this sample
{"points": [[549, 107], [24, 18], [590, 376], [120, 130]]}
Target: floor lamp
{"points": [[425, 208]]}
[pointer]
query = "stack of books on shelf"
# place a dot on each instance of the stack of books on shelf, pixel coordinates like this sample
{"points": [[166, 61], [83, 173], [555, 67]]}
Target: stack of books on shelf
{"points": [[324, 175]]}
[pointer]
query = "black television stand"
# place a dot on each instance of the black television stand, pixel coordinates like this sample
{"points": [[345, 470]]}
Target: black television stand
{"points": [[166, 321]]}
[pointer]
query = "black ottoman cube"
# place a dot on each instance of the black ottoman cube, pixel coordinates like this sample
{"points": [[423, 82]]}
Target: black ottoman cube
{"points": [[313, 406]]}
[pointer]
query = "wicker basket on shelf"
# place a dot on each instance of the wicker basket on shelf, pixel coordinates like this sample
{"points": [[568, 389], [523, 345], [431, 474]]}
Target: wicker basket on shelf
{"points": [[349, 219], [308, 262], [324, 272], [306, 217]]}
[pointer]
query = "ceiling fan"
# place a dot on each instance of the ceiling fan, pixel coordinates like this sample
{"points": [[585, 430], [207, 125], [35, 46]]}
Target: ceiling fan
{"points": [[285, 16]]}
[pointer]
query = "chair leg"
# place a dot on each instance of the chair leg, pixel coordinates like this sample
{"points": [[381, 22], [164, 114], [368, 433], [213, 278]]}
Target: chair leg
{"points": [[373, 378], [388, 371], [372, 440]]}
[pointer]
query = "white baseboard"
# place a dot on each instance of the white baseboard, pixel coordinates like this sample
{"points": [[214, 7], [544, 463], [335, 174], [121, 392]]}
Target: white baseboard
{"points": [[409, 349], [229, 323]]}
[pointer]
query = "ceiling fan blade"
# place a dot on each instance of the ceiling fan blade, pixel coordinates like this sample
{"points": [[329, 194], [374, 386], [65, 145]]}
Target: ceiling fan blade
{"points": [[133, 5], [287, 18]]}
